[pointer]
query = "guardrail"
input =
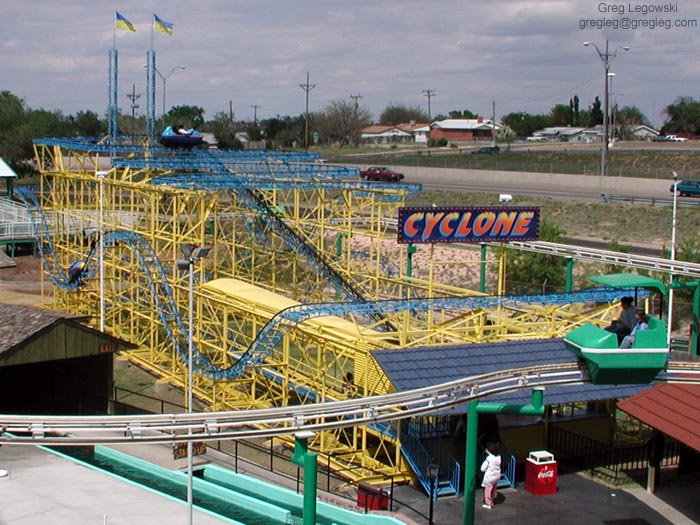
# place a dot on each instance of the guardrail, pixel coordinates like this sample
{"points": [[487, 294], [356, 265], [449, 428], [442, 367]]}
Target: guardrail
{"points": [[606, 197]]}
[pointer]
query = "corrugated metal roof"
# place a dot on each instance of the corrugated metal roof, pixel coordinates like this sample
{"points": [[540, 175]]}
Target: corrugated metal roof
{"points": [[672, 408], [412, 368]]}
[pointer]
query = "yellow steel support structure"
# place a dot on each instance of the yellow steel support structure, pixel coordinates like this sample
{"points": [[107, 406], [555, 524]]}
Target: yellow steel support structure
{"points": [[251, 275]]}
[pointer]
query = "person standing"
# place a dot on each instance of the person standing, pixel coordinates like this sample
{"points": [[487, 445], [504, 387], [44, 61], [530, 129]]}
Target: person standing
{"points": [[491, 467]]}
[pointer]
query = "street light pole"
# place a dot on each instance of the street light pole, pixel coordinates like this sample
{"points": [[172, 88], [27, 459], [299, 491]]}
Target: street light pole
{"points": [[611, 108], [192, 253], [165, 80], [433, 471], [673, 257], [605, 59]]}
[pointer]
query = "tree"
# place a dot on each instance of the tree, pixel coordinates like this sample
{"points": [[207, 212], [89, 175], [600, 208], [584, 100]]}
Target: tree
{"points": [[87, 124], [626, 118], [288, 131], [224, 129], [15, 141], [683, 116], [398, 113], [524, 124], [463, 114], [188, 116], [340, 120], [528, 272], [506, 134], [595, 116], [559, 115]]}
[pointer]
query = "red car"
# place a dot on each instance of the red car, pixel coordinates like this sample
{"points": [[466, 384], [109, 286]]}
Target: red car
{"points": [[381, 173]]}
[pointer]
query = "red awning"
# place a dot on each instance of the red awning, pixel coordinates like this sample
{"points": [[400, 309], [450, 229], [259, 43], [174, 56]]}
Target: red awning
{"points": [[672, 408]]}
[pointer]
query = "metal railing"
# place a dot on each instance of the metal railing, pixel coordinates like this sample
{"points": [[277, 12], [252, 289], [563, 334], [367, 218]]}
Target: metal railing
{"points": [[15, 221], [615, 463]]}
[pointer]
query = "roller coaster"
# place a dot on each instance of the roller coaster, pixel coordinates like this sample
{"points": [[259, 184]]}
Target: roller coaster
{"points": [[304, 279]]}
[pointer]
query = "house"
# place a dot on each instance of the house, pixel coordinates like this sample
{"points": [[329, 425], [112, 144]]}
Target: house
{"points": [[572, 134], [385, 134], [464, 130], [642, 132], [421, 133], [382, 134]]}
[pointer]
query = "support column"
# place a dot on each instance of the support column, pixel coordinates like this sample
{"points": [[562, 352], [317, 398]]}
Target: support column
{"points": [[470, 463], [309, 462], [482, 268]]}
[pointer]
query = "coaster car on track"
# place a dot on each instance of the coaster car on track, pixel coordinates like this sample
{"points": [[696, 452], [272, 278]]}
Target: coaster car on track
{"points": [[180, 138]]}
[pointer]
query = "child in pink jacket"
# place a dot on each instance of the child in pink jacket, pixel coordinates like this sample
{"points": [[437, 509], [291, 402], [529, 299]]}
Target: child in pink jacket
{"points": [[491, 467]]}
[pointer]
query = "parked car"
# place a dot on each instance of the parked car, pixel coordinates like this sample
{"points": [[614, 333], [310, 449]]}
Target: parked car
{"points": [[690, 188], [381, 173], [669, 138], [536, 138], [487, 150]]}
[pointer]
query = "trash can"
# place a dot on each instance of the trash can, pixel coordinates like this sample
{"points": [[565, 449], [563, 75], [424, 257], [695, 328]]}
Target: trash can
{"points": [[540, 473], [372, 498]]}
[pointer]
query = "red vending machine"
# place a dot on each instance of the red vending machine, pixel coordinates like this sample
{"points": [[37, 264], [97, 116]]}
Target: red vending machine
{"points": [[540, 473]]}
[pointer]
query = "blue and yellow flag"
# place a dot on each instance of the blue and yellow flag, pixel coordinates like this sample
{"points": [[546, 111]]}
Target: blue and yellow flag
{"points": [[122, 23], [162, 25]]}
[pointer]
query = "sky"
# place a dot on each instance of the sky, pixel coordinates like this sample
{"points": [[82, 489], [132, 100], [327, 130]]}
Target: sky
{"points": [[253, 56]]}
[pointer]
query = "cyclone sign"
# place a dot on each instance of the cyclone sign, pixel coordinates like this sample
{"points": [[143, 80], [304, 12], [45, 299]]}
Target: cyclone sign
{"points": [[468, 224]]}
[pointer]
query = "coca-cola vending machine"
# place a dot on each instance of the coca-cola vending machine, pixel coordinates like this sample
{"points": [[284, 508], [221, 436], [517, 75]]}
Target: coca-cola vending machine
{"points": [[540, 473]]}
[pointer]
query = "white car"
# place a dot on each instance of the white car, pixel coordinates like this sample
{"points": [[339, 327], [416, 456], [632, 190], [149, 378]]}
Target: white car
{"points": [[674, 138], [536, 139]]}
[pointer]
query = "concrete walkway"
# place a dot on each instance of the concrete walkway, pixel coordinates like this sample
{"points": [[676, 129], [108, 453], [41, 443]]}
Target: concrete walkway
{"points": [[42, 487]]}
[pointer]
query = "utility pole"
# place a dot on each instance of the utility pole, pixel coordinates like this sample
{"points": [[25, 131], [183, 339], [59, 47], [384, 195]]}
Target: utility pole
{"points": [[134, 106], [355, 98], [605, 58], [429, 93], [255, 115], [306, 87], [230, 113], [493, 123], [255, 122]]}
